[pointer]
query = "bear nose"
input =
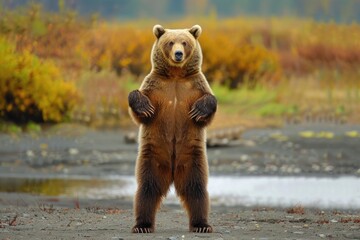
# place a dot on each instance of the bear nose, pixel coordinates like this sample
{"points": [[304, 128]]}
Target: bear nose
{"points": [[178, 55]]}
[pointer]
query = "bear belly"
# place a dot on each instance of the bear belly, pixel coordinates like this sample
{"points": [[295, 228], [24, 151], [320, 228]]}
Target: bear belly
{"points": [[174, 132]]}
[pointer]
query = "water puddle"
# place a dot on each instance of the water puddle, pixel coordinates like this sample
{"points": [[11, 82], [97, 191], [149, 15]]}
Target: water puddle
{"points": [[340, 193]]}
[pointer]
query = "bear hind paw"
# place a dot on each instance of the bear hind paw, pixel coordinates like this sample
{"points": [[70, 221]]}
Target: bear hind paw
{"points": [[139, 229], [202, 228]]}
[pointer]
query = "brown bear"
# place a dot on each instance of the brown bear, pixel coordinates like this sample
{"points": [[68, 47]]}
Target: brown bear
{"points": [[173, 106]]}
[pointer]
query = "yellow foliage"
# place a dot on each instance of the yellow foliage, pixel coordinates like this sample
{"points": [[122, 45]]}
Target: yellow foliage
{"points": [[31, 89]]}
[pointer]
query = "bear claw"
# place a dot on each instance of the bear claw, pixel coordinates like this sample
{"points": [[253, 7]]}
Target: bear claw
{"points": [[142, 230], [206, 229], [141, 104], [203, 108]]}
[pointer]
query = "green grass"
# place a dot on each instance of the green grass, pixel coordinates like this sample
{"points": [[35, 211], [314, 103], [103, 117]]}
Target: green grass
{"points": [[33, 127], [11, 128], [258, 101]]}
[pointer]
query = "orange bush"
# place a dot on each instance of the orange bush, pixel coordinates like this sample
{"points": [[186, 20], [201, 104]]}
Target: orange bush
{"points": [[233, 63]]}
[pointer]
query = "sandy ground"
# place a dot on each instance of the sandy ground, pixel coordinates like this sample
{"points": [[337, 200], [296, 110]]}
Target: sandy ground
{"points": [[294, 151], [25, 216]]}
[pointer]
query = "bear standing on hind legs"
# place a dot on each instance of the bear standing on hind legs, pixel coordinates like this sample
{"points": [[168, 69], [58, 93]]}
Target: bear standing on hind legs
{"points": [[173, 106]]}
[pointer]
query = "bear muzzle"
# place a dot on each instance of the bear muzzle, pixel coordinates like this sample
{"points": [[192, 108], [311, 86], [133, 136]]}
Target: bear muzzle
{"points": [[178, 56]]}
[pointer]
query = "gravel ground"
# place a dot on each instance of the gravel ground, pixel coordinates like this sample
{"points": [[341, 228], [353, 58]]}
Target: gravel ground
{"points": [[306, 150], [29, 217]]}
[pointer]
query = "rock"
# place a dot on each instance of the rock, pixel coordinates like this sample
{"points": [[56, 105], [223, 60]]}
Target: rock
{"points": [[315, 167], [131, 138], [322, 235], [253, 168], [244, 158], [299, 232], [173, 238], [30, 153], [73, 151], [329, 168]]}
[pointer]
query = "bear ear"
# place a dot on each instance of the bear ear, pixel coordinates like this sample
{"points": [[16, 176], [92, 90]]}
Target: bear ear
{"points": [[158, 30], [195, 31]]}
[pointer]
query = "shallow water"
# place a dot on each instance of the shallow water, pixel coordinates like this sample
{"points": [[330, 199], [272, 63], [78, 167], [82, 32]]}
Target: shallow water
{"points": [[340, 193]]}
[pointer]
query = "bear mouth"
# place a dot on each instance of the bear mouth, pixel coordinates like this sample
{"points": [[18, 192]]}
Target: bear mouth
{"points": [[177, 62]]}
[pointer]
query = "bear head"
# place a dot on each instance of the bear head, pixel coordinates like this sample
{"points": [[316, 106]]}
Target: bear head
{"points": [[176, 49]]}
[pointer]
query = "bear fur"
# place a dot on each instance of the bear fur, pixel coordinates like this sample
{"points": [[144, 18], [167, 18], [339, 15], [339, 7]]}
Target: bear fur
{"points": [[173, 106]]}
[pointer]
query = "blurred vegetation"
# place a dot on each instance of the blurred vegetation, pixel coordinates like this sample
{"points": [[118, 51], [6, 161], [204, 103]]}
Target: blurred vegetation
{"points": [[273, 68], [321, 10], [31, 89]]}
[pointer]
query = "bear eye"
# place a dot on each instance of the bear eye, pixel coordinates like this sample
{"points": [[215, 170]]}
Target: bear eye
{"points": [[171, 43], [184, 44]]}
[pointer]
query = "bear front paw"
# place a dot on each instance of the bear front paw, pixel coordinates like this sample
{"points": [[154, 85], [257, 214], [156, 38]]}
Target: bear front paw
{"points": [[140, 104], [203, 108]]}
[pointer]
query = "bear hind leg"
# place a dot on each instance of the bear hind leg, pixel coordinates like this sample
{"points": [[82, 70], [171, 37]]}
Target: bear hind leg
{"points": [[192, 191], [148, 197]]}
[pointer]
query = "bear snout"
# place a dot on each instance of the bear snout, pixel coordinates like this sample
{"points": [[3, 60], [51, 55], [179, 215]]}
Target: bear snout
{"points": [[179, 56]]}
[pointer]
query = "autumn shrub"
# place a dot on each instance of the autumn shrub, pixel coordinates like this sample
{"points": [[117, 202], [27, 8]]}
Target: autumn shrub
{"points": [[118, 48], [233, 63], [47, 35], [32, 89]]}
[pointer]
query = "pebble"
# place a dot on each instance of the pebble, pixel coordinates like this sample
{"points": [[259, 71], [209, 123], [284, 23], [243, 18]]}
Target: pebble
{"points": [[172, 238], [249, 143], [244, 158], [333, 220], [253, 168], [30, 153], [315, 167], [73, 151], [329, 168], [299, 232], [322, 235], [272, 168]]}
